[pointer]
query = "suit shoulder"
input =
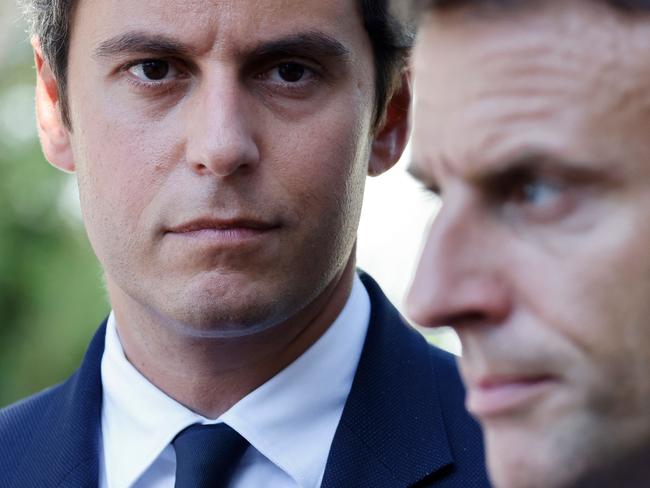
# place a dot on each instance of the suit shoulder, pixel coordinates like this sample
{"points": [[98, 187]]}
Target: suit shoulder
{"points": [[444, 363], [447, 376], [27, 411], [49, 405], [28, 406], [21, 420], [442, 358]]}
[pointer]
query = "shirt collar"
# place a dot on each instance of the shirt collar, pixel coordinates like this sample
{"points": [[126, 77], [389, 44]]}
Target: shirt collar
{"points": [[138, 419], [291, 419]]}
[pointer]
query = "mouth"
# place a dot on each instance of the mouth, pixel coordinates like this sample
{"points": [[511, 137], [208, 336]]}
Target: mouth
{"points": [[223, 231], [504, 395]]}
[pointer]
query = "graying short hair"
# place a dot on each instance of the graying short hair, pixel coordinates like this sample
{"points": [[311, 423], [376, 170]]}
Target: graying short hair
{"points": [[49, 21]]}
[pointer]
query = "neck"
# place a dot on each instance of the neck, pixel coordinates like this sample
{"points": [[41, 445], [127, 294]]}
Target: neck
{"points": [[210, 375]]}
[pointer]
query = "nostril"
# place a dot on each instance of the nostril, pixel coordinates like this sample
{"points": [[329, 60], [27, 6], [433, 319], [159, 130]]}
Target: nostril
{"points": [[473, 304], [200, 168], [460, 319], [467, 319]]}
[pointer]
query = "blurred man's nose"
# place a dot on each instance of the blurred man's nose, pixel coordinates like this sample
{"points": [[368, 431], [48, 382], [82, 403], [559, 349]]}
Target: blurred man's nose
{"points": [[220, 123], [458, 280]]}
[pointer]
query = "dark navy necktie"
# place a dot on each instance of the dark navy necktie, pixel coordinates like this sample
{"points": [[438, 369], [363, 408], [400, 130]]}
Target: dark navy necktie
{"points": [[207, 455]]}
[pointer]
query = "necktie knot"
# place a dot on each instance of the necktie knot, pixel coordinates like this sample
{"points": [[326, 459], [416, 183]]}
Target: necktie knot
{"points": [[207, 455]]}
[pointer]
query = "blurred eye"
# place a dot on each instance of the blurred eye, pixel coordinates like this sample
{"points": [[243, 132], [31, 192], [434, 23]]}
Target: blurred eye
{"points": [[537, 193], [537, 198], [153, 70]]}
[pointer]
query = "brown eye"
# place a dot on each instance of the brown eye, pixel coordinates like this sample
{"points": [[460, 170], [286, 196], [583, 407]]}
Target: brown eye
{"points": [[155, 70], [291, 72]]}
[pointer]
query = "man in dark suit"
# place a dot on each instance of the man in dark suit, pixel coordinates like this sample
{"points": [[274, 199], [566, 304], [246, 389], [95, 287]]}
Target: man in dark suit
{"points": [[533, 124], [221, 150]]}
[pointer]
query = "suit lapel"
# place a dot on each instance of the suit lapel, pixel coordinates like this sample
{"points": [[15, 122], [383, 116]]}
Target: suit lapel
{"points": [[392, 431], [66, 451]]}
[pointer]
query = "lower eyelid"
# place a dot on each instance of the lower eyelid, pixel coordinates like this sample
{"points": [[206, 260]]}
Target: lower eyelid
{"points": [[301, 85], [153, 85], [309, 73], [554, 211]]}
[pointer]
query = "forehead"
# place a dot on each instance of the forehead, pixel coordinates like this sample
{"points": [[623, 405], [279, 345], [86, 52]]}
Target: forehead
{"points": [[216, 24], [564, 77]]}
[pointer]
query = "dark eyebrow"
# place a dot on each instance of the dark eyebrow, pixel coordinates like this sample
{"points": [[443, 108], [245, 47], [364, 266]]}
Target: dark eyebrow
{"points": [[532, 163], [513, 168], [523, 164], [139, 42], [314, 43]]}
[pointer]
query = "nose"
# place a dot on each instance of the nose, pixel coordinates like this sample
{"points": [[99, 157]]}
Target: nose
{"points": [[220, 131], [459, 280]]}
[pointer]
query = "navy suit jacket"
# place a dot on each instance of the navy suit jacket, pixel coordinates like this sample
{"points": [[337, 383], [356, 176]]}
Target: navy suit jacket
{"points": [[403, 425]]}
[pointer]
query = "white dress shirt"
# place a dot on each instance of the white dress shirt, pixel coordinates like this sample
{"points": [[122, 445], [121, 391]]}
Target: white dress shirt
{"points": [[289, 421]]}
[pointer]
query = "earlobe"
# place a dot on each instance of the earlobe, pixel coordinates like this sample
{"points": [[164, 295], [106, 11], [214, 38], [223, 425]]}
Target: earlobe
{"points": [[393, 135], [54, 135]]}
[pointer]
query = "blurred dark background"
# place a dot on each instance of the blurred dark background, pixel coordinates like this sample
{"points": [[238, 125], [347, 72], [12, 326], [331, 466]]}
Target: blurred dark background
{"points": [[51, 292]]}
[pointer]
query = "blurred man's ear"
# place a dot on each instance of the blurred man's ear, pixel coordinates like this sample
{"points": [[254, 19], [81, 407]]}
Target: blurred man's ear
{"points": [[392, 136], [53, 133]]}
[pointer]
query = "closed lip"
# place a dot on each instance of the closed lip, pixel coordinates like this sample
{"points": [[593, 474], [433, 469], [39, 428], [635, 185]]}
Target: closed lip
{"points": [[501, 395], [215, 224]]}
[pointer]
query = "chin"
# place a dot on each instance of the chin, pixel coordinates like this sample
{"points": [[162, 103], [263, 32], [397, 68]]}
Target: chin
{"points": [[224, 331], [217, 318], [546, 458], [524, 471], [215, 314]]}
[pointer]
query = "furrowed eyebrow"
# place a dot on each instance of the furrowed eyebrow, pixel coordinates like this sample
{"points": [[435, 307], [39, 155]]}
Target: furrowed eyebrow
{"points": [[513, 168], [533, 162], [139, 42], [313, 43]]}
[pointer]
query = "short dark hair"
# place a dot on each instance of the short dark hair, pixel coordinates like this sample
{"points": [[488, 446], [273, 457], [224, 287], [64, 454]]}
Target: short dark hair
{"points": [[419, 6], [391, 39]]}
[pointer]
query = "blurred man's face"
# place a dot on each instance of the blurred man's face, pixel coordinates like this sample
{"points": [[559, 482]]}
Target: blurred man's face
{"points": [[221, 150], [534, 127]]}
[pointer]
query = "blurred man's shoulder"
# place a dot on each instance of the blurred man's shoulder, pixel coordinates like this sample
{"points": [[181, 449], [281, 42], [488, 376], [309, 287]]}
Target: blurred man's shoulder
{"points": [[444, 362]]}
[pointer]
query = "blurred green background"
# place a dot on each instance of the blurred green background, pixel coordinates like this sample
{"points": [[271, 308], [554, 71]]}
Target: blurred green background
{"points": [[51, 292]]}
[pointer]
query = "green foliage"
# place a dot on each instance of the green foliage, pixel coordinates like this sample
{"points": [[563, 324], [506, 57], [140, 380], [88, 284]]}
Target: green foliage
{"points": [[51, 292]]}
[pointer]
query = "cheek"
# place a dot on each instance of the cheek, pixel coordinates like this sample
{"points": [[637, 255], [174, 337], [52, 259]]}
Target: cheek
{"points": [[120, 169], [118, 145], [322, 162], [594, 298], [624, 308]]}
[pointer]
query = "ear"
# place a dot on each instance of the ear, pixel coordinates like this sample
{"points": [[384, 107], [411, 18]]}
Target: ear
{"points": [[54, 135], [393, 134]]}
